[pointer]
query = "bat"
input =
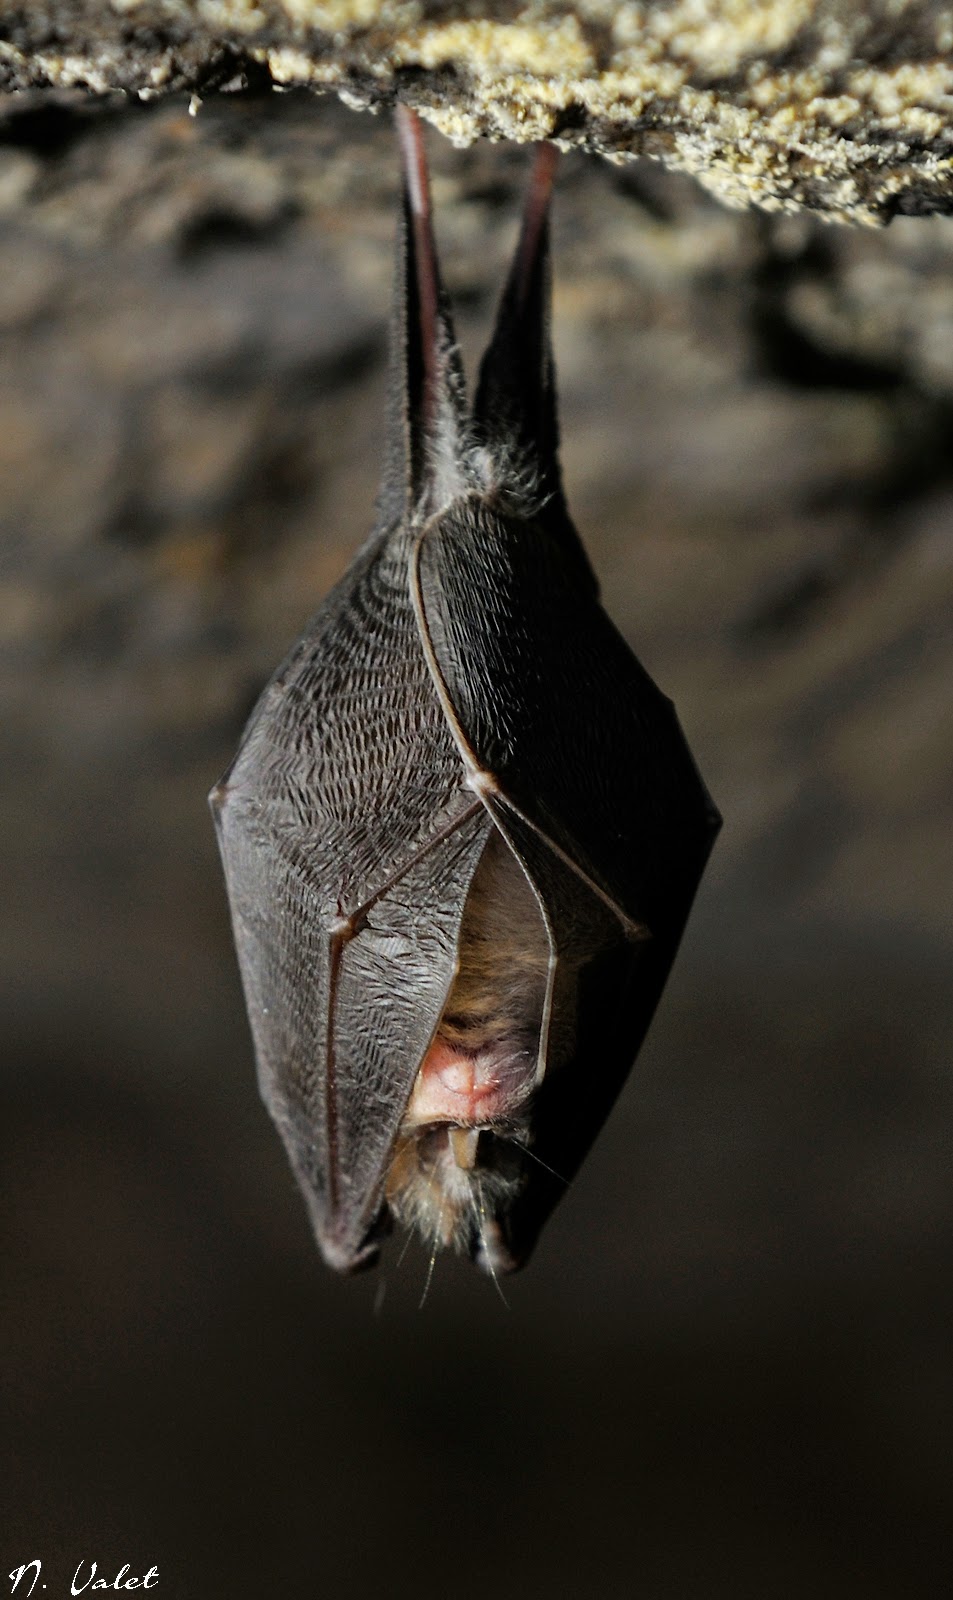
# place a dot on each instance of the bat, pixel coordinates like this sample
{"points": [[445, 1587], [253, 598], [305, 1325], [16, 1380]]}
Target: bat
{"points": [[463, 829]]}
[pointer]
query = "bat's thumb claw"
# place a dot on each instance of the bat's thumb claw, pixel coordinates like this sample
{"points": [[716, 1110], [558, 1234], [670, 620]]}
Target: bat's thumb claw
{"points": [[345, 1259]]}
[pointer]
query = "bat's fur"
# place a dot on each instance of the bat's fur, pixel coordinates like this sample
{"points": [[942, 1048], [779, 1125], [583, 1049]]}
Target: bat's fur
{"points": [[503, 959], [501, 475], [493, 1015]]}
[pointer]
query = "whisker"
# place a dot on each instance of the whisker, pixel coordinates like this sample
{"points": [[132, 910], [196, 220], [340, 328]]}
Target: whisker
{"points": [[408, 1235], [438, 1232], [481, 1225], [429, 1278], [526, 1151]]}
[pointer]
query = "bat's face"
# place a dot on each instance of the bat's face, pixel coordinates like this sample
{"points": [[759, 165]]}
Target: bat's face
{"points": [[459, 1159], [463, 830]]}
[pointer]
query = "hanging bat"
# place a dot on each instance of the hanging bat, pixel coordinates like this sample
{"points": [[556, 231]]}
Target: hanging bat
{"points": [[463, 830]]}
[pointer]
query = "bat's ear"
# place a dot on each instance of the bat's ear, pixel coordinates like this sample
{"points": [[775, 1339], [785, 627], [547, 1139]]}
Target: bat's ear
{"points": [[426, 400], [515, 407]]}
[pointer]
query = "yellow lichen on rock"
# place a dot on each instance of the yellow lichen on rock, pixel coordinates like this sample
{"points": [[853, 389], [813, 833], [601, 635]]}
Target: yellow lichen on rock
{"points": [[557, 49], [846, 109]]}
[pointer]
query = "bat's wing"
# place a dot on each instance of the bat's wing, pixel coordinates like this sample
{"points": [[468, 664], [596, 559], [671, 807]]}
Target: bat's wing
{"points": [[348, 843], [348, 838], [544, 693], [582, 761], [545, 696], [578, 755]]}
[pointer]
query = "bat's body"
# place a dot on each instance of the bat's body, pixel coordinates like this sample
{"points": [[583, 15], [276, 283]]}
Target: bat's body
{"points": [[477, 1079], [463, 830]]}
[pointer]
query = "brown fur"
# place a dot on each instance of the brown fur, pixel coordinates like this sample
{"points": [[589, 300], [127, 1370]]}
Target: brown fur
{"points": [[494, 1008]]}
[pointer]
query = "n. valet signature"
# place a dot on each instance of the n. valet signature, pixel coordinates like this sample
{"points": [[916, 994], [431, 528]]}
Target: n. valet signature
{"points": [[24, 1579]]}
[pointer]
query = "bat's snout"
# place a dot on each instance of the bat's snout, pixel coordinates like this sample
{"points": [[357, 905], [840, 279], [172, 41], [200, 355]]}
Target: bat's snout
{"points": [[467, 1088]]}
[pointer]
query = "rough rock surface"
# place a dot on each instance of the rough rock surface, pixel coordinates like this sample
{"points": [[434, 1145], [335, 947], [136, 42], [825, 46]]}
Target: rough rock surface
{"points": [[843, 106], [727, 1372]]}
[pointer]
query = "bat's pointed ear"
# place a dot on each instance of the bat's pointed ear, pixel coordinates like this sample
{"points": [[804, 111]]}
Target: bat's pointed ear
{"points": [[515, 405], [426, 400]]}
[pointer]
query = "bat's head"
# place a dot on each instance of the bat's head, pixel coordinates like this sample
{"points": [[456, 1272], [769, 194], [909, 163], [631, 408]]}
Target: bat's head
{"points": [[461, 1154]]}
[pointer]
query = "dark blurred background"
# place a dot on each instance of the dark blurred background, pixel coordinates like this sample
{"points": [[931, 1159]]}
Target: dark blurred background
{"points": [[727, 1371]]}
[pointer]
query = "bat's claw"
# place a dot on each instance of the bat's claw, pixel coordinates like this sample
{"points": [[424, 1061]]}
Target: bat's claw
{"points": [[484, 784], [344, 1258], [217, 796]]}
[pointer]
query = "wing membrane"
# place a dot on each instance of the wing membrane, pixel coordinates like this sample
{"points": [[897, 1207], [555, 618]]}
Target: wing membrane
{"points": [[548, 698], [346, 800]]}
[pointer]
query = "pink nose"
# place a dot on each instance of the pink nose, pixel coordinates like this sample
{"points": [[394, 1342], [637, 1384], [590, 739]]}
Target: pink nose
{"points": [[453, 1087]]}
